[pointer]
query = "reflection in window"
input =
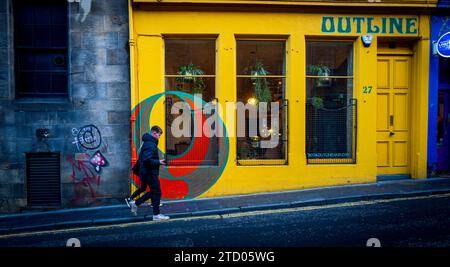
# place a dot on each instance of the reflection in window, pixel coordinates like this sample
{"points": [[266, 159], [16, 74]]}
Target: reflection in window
{"points": [[330, 107], [261, 79], [190, 68]]}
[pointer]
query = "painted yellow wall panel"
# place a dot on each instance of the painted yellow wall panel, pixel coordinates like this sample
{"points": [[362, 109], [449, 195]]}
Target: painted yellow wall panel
{"points": [[366, 74], [401, 112], [383, 74], [150, 71], [401, 73], [150, 27], [383, 154], [270, 24], [420, 101], [400, 152], [383, 112]]}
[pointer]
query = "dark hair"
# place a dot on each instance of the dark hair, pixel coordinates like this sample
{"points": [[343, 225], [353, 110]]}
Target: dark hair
{"points": [[157, 129]]}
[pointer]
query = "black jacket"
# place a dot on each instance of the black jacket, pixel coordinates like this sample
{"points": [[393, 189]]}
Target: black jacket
{"points": [[149, 156]]}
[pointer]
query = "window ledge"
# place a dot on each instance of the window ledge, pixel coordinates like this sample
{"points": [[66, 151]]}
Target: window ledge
{"points": [[39, 104], [258, 162]]}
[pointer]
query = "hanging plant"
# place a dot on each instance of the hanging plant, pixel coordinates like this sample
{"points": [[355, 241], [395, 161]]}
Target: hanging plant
{"points": [[261, 85], [317, 102], [320, 70], [190, 73]]}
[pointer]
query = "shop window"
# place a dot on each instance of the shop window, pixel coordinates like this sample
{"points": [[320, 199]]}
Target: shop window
{"points": [[261, 137], [444, 70], [330, 106], [40, 46], [190, 68]]}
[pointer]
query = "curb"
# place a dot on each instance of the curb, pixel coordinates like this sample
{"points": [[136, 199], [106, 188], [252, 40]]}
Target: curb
{"points": [[72, 224], [180, 215], [309, 203], [27, 214], [39, 227], [440, 191], [266, 207], [113, 221], [216, 212], [339, 200], [68, 225], [272, 206]]}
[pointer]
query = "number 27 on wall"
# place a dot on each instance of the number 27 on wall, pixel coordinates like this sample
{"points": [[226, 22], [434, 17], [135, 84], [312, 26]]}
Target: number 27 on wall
{"points": [[367, 89]]}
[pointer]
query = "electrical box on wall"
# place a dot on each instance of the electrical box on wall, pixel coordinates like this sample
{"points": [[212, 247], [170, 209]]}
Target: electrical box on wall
{"points": [[42, 133]]}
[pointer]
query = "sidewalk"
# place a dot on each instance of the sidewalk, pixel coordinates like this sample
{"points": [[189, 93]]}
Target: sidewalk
{"points": [[105, 215]]}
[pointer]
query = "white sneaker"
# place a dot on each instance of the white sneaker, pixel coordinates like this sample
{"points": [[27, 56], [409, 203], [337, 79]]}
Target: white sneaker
{"points": [[133, 208], [129, 201], [160, 217], [149, 204]]}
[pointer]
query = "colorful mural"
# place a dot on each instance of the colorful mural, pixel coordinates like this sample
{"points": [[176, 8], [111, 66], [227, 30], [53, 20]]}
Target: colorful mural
{"points": [[182, 182]]}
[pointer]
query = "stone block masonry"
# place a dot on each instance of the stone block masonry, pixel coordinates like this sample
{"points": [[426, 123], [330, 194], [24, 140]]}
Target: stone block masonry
{"points": [[93, 122]]}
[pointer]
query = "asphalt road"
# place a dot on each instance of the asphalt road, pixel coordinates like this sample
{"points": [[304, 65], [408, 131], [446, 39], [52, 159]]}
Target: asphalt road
{"points": [[414, 222]]}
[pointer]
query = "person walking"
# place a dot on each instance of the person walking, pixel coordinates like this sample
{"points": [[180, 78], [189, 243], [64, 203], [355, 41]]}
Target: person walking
{"points": [[148, 172]]}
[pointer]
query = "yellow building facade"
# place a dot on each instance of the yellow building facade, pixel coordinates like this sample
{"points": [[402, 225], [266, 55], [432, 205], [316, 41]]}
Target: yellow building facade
{"points": [[350, 79]]}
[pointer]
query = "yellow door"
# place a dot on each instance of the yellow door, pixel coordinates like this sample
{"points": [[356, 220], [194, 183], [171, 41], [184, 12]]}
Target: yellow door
{"points": [[393, 115]]}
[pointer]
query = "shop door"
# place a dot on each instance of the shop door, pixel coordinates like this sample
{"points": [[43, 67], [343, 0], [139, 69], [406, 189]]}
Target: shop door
{"points": [[393, 115], [443, 131]]}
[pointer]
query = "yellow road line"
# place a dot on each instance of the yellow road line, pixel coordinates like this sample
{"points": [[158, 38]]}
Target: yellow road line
{"points": [[233, 215]]}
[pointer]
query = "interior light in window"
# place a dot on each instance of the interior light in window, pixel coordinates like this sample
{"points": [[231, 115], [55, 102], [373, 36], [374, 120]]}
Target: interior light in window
{"points": [[252, 101]]}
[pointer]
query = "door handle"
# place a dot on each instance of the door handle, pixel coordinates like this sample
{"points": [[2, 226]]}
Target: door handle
{"points": [[391, 133]]}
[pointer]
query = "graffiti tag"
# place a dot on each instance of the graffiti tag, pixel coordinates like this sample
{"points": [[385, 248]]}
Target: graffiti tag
{"points": [[98, 161], [84, 179], [89, 137], [86, 167]]}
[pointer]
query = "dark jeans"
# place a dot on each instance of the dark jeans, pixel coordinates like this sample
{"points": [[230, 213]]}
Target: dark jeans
{"points": [[154, 194]]}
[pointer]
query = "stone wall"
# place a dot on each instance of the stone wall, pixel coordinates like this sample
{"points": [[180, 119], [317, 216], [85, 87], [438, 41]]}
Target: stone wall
{"points": [[99, 95]]}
